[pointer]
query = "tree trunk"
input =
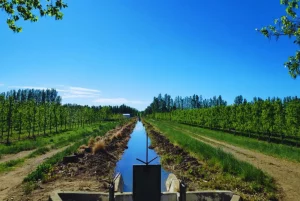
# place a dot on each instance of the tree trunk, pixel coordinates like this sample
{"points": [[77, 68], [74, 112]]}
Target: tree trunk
{"points": [[9, 119], [56, 125], [55, 119], [29, 129], [50, 122], [33, 122], [39, 129], [45, 121], [2, 128], [20, 130], [7, 139], [20, 126]]}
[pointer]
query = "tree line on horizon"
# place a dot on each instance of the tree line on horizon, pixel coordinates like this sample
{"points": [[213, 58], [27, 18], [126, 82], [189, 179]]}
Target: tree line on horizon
{"points": [[271, 118], [33, 112]]}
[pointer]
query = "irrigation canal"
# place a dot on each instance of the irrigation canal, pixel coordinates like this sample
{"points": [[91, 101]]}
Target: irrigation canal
{"points": [[136, 149]]}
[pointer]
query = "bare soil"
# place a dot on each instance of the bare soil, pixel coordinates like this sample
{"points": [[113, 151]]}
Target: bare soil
{"points": [[285, 173], [14, 178], [91, 173]]}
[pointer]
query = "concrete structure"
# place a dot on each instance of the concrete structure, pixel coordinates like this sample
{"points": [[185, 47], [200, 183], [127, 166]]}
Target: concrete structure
{"points": [[191, 196], [146, 186], [119, 183], [172, 183]]}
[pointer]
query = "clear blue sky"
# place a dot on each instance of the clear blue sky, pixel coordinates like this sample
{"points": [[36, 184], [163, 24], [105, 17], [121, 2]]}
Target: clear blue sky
{"points": [[114, 52]]}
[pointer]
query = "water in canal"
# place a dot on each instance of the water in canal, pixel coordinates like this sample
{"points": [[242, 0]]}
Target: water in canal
{"points": [[137, 149]]}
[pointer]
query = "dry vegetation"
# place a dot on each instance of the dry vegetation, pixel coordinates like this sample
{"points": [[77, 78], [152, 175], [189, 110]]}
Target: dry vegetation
{"points": [[99, 147]]}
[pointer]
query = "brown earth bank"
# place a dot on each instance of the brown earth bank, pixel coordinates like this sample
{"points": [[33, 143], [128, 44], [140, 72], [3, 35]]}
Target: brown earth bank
{"points": [[92, 172], [197, 174]]}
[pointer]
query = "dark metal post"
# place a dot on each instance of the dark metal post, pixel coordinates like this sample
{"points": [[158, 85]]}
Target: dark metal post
{"points": [[147, 148], [147, 162], [112, 191], [182, 192]]}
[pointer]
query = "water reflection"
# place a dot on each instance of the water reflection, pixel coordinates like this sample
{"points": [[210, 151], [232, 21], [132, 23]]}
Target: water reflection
{"points": [[137, 149]]}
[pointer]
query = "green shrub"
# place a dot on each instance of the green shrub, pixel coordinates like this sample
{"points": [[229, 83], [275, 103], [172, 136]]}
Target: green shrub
{"points": [[29, 187]]}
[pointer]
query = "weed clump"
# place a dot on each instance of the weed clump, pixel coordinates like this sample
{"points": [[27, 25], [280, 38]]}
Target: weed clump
{"points": [[99, 147], [97, 138], [29, 187], [83, 146], [91, 142], [118, 135]]}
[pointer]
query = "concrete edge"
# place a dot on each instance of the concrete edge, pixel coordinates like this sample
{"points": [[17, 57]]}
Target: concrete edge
{"points": [[55, 195], [119, 183]]}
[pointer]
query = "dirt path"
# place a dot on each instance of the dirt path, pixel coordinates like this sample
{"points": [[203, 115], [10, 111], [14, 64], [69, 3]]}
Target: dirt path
{"points": [[285, 173], [15, 177], [19, 155]]}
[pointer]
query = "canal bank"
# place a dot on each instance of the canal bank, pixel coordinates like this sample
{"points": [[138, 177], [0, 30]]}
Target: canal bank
{"points": [[137, 149]]}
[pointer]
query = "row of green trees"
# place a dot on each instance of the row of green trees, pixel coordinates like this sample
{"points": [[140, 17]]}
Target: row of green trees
{"points": [[34, 112], [166, 103], [270, 118]]}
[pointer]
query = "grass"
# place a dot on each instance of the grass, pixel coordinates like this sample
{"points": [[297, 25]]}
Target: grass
{"points": [[57, 141], [9, 165], [277, 150], [39, 151], [29, 187], [216, 157]]}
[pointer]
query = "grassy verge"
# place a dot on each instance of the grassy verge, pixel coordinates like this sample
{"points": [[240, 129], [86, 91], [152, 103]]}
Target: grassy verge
{"points": [[231, 172], [39, 151], [9, 165], [277, 150], [56, 140], [41, 173], [59, 142]]}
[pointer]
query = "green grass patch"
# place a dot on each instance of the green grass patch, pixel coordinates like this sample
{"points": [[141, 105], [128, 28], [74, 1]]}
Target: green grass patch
{"points": [[54, 140], [277, 150], [29, 187], [9, 165], [39, 151], [216, 157], [169, 158]]}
